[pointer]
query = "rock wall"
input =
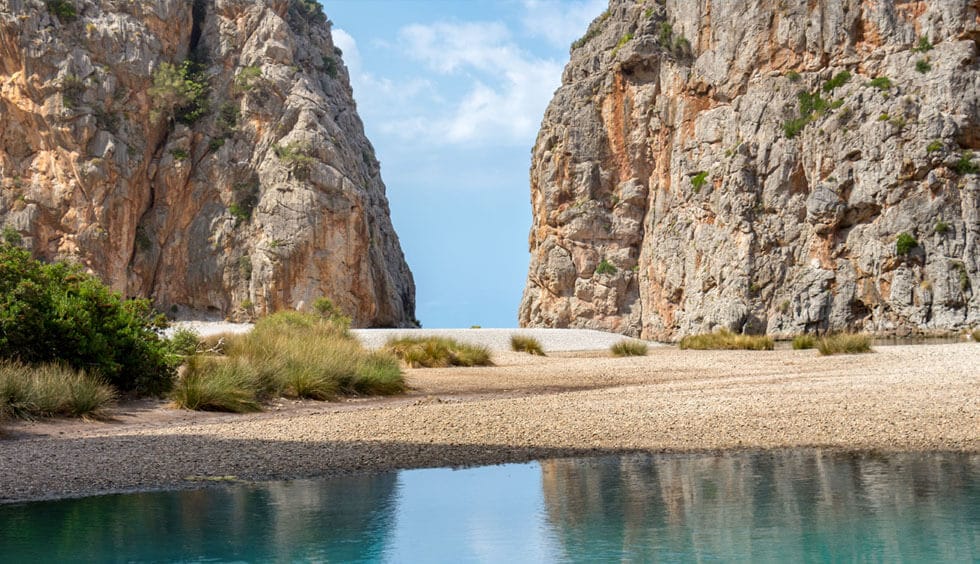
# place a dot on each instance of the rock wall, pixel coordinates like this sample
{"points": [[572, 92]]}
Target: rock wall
{"points": [[205, 153], [771, 166]]}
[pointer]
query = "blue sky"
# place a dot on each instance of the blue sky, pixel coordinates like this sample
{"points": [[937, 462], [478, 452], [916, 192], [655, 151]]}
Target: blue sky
{"points": [[452, 93]]}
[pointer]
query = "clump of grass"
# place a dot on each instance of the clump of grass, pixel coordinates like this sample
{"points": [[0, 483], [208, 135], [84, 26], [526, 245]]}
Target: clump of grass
{"points": [[629, 347], [923, 66], [50, 390], [523, 343], [804, 341], [976, 335], [844, 343], [723, 339], [217, 384], [437, 352]]}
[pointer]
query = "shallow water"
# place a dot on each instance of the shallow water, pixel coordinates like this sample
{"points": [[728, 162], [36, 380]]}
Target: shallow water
{"points": [[782, 506]]}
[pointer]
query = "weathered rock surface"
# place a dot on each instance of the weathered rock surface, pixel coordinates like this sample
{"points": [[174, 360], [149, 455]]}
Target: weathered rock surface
{"points": [[680, 181], [269, 199]]}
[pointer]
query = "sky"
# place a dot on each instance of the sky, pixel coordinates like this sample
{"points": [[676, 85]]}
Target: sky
{"points": [[451, 93]]}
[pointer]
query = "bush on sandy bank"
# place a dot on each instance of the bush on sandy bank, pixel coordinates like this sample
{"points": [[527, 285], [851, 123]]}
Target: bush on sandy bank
{"points": [[523, 343], [844, 343], [438, 352], [804, 341], [288, 354], [724, 339], [50, 390], [58, 313], [629, 348]]}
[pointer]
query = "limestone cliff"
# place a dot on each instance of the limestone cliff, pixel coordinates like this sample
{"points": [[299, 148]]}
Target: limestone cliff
{"points": [[204, 153], [763, 165]]}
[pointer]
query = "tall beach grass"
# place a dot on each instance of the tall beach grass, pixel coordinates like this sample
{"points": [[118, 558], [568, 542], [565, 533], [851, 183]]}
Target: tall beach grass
{"points": [[724, 339], [438, 352], [51, 390], [844, 343], [524, 343], [629, 347]]}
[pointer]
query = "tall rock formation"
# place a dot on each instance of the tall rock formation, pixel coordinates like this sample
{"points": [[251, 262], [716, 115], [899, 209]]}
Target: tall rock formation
{"points": [[204, 153], [763, 165]]}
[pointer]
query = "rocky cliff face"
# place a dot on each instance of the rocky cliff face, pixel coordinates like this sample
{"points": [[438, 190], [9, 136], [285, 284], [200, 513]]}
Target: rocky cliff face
{"points": [[763, 165], [205, 153]]}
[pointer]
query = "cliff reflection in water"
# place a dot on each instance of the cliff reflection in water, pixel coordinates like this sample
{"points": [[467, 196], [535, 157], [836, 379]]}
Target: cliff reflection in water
{"points": [[769, 506]]}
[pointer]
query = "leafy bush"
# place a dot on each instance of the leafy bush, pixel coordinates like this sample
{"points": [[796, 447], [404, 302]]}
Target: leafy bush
{"points": [[966, 165], [438, 352], [924, 45], [804, 341], [723, 339], [626, 38], [63, 9], [48, 390], [523, 343], [56, 312], [699, 180], [793, 76], [12, 237], [605, 267], [941, 227], [311, 10], [840, 79], [844, 343], [629, 347], [923, 66], [185, 342], [905, 243], [180, 92], [246, 78], [934, 146], [881, 83]]}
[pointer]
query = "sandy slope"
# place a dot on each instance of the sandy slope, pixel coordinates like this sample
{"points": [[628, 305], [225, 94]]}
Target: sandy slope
{"points": [[902, 398]]}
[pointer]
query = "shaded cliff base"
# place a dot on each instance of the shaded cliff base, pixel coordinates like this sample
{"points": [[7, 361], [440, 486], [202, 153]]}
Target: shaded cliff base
{"points": [[902, 398]]}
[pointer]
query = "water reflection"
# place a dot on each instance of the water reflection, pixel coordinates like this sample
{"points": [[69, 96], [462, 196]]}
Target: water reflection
{"points": [[789, 506], [784, 506]]}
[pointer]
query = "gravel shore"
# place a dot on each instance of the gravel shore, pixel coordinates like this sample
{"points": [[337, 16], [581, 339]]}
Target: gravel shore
{"points": [[901, 398]]}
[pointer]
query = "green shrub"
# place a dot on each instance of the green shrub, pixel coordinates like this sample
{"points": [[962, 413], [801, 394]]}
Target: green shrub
{"points": [[523, 343], [881, 83], [12, 237], [605, 267], [923, 66], [49, 390], [941, 227], [626, 38], [966, 165], [438, 352], [924, 45], [179, 154], [699, 180], [246, 78], [724, 339], [63, 9], [934, 146], [217, 384], [804, 341], [327, 310], [905, 243], [840, 79], [793, 76], [844, 343], [793, 127], [311, 10], [57, 313], [179, 92], [185, 342], [629, 347], [594, 29]]}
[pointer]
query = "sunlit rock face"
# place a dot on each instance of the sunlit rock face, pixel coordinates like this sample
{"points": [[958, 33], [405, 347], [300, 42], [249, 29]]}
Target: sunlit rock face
{"points": [[261, 194], [762, 165]]}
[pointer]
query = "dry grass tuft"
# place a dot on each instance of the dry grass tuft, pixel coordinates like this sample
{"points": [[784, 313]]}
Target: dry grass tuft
{"points": [[629, 347], [724, 339], [51, 390], [438, 352], [523, 343], [844, 343], [804, 341]]}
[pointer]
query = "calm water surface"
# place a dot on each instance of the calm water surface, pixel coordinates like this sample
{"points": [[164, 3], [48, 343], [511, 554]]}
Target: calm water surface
{"points": [[771, 507]]}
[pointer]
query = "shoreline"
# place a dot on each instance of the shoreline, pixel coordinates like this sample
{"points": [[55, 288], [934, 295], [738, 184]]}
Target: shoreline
{"points": [[922, 398]]}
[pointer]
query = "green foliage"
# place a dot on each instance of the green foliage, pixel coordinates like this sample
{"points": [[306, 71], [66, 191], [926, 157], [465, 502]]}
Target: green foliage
{"points": [[905, 243], [179, 154], [330, 66], [245, 198], [941, 227], [179, 92], [248, 77], [12, 237], [245, 266], [804, 341], [844, 343], [626, 38], [216, 143], [57, 313], [966, 165], [217, 384], [629, 347], [594, 29], [881, 83], [964, 277], [438, 352], [326, 309], [923, 66], [185, 342], [524, 343], [812, 105], [311, 10], [934, 146], [840, 79], [723, 339], [793, 127], [72, 91], [924, 45], [666, 35], [49, 390], [295, 156], [239, 212], [793, 76], [605, 267], [699, 180], [63, 9]]}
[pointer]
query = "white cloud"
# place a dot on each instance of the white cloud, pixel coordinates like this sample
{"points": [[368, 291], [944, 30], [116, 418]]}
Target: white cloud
{"points": [[352, 56], [560, 22]]}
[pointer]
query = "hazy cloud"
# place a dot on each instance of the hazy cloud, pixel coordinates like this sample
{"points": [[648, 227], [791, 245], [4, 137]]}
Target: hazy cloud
{"points": [[560, 22]]}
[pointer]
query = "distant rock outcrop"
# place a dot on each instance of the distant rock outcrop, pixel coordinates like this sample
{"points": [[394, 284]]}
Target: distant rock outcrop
{"points": [[206, 153], [762, 165]]}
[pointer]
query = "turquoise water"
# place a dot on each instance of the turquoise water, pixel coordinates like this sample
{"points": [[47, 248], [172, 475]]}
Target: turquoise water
{"points": [[764, 507]]}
